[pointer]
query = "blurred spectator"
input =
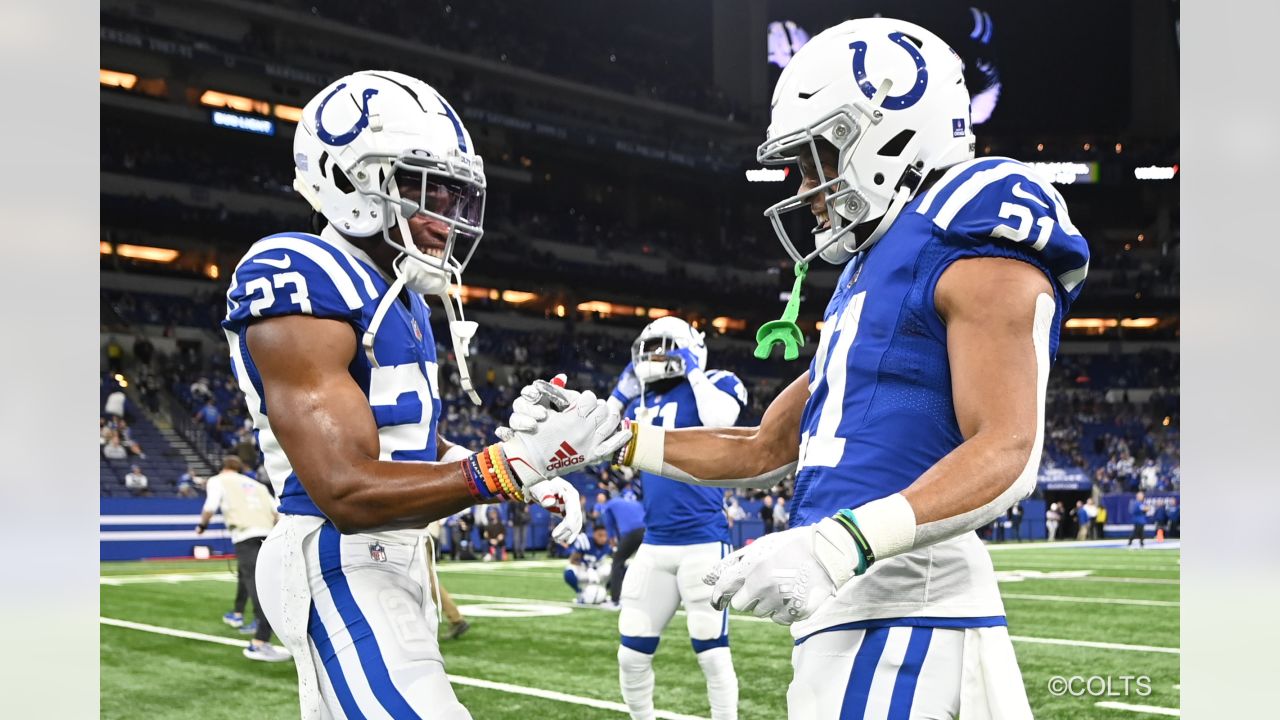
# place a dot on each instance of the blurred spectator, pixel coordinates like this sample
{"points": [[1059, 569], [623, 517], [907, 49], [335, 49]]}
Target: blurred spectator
{"points": [[114, 406], [208, 415], [115, 356], [1082, 521], [113, 450], [766, 513], [143, 351], [495, 536], [781, 516], [136, 482], [1052, 517], [1138, 514], [1015, 520], [518, 519], [188, 483]]}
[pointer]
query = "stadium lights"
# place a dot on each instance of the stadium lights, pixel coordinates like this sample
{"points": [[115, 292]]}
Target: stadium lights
{"points": [[515, 297], [141, 252], [113, 78], [596, 306], [213, 98], [211, 270], [1155, 172], [289, 113], [768, 174], [727, 323], [1104, 323]]}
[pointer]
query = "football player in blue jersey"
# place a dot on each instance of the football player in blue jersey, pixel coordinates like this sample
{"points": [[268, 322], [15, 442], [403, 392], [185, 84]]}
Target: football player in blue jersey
{"points": [[590, 566], [331, 344], [668, 384], [921, 416]]}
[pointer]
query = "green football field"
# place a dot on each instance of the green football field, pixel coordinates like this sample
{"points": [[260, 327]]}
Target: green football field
{"points": [[1096, 614]]}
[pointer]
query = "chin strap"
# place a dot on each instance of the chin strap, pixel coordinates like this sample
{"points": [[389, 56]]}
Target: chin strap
{"points": [[461, 331], [388, 298]]}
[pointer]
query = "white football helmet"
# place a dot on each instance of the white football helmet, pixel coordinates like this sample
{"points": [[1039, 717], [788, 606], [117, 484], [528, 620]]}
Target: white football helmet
{"points": [[890, 97], [362, 139], [656, 340]]}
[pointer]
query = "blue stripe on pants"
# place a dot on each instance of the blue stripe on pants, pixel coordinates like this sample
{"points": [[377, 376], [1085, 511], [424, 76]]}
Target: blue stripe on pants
{"points": [[324, 647], [904, 688], [858, 690], [367, 649]]}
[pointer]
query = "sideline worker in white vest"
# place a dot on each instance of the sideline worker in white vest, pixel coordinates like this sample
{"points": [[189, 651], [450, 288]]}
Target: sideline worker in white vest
{"points": [[250, 513]]}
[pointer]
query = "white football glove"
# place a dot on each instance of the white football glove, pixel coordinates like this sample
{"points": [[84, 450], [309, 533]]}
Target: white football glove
{"points": [[786, 576], [550, 441], [560, 497]]}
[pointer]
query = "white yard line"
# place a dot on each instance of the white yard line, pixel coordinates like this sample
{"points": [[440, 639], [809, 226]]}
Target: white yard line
{"points": [[456, 679], [1112, 544], [1091, 600], [1018, 563], [1094, 645], [167, 578], [1150, 709]]}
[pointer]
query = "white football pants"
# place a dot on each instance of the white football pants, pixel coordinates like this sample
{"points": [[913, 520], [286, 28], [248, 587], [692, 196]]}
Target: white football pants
{"points": [[370, 630], [907, 673], [659, 579]]}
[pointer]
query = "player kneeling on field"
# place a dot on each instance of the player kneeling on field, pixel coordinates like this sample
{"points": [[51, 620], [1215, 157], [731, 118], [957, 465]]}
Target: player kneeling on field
{"points": [[589, 568]]}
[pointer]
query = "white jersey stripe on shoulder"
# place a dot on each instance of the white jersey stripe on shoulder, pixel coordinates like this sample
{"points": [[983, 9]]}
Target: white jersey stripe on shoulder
{"points": [[354, 263], [1071, 278], [944, 182], [970, 188], [341, 279], [1060, 205]]}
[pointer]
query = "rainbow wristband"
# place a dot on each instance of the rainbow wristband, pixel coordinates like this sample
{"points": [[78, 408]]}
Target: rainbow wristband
{"points": [[503, 470], [490, 477], [475, 484]]}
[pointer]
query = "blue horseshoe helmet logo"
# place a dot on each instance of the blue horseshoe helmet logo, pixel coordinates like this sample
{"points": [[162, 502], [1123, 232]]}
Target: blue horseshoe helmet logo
{"points": [[892, 102], [345, 138]]}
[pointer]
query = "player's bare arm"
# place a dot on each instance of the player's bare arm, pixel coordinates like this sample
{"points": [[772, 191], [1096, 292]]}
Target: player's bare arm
{"points": [[326, 428], [726, 457], [997, 312]]}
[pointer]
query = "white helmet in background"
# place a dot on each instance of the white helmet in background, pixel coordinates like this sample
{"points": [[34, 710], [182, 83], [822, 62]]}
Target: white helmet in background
{"points": [[890, 97], [650, 353], [358, 142]]}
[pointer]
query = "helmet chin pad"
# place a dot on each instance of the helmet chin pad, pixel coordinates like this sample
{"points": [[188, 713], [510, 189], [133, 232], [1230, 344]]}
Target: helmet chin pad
{"points": [[421, 277]]}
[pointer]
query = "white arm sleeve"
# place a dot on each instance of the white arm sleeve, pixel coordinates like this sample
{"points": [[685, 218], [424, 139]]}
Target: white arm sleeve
{"points": [[716, 408], [213, 498]]}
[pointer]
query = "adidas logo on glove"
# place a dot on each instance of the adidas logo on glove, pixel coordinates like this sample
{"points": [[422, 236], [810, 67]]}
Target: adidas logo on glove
{"points": [[565, 457]]}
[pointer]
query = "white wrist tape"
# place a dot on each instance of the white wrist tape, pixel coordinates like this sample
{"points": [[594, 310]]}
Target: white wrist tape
{"points": [[457, 453], [888, 524], [650, 444]]}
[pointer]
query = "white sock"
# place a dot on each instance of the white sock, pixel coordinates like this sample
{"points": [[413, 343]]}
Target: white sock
{"points": [[635, 676], [722, 682]]}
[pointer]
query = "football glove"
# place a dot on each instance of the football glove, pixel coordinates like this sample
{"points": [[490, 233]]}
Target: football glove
{"points": [[786, 576], [560, 497], [548, 442], [690, 359]]}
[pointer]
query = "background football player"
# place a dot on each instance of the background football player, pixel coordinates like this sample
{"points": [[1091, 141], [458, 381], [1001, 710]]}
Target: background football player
{"points": [[331, 344], [590, 565], [686, 533], [921, 416]]}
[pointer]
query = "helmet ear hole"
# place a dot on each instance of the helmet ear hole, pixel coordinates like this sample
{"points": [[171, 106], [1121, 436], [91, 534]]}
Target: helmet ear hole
{"points": [[342, 182], [896, 144]]}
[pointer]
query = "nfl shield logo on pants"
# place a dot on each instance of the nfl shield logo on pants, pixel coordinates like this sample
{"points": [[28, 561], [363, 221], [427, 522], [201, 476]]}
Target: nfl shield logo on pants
{"points": [[377, 552]]}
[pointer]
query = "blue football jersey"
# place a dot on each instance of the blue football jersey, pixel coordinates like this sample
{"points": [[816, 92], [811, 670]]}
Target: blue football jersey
{"points": [[880, 408], [327, 277], [677, 513], [591, 552]]}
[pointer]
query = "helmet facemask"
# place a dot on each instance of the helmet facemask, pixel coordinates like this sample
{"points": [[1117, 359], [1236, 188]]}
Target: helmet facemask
{"points": [[848, 206], [448, 190], [645, 354]]}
